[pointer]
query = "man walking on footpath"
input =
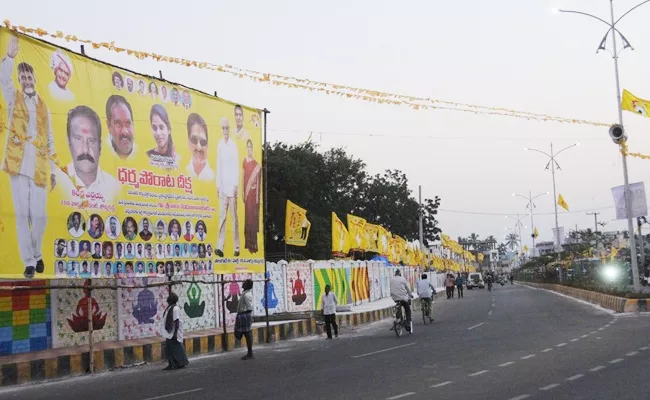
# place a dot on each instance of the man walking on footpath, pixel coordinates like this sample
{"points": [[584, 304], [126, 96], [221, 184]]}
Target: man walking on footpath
{"points": [[460, 280], [449, 285], [244, 318], [329, 312]]}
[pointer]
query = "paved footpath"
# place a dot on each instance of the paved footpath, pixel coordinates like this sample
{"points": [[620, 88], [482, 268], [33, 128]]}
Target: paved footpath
{"points": [[514, 343]]}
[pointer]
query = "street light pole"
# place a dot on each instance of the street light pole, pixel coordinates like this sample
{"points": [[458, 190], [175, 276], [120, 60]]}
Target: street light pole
{"points": [[554, 165], [626, 44], [531, 205]]}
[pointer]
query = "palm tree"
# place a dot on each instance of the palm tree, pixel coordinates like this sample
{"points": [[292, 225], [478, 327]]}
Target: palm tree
{"points": [[502, 249], [512, 240], [473, 239]]}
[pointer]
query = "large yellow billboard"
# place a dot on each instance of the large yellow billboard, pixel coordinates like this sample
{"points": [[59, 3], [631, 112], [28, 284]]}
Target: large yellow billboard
{"points": [[107, 173]]}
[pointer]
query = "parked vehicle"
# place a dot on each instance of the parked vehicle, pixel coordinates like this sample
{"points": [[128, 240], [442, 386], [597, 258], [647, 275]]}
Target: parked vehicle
{"points": [[475, 280]]}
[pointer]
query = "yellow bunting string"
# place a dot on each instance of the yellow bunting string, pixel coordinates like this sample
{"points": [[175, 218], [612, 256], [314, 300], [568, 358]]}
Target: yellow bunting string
{"points": [[369, 95]]}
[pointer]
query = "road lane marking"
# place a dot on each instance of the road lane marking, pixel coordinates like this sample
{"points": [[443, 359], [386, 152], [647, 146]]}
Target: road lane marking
{"points": [[490, 313], [475, 326], [441, 384], [598, 368], [583, 336], [521, 397], [549, 387], [632, 353], [616, 360], [485, 371], [574, 377], [528, 356], [592, 332], [547, 350], [600, 329], [383, 350], [644, 348], [506, 364], [598, 338], [561, 345], [575, 339], [174, 394], [399, 396]]}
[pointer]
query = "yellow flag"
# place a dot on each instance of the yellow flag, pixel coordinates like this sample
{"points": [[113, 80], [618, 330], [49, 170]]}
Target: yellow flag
{"points": [[340, 237], [296, 225], [357, 230], [535, 232], [525, 249], [634, 104], [613, 253], [372, 237], [562, 203], [383, 241]]}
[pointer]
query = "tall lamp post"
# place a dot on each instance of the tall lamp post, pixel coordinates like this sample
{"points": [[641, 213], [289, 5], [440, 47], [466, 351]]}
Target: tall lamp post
{"points": [[552, 162], [531, 205], [626, 44], [518, 226]]}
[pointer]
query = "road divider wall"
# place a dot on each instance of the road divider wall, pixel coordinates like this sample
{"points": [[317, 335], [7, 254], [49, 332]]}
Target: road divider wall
{"points": [[615, 303]]}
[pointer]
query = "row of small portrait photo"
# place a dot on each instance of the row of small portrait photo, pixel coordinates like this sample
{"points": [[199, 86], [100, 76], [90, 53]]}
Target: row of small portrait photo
{"points": [[164, 94], [132, 229], [130, 269], [87, 250]]}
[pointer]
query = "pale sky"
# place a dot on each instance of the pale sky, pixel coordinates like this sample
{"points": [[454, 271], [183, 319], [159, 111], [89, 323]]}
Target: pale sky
{"points": [[507, 53]]}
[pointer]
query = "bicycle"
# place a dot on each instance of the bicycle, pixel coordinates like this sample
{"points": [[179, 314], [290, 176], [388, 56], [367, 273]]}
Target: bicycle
{"points": [[426, 311], [399, 322]]}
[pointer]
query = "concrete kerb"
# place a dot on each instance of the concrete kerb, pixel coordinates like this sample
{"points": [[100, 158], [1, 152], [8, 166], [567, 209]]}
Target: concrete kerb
{"points": [[614, 303], [152, 350]]}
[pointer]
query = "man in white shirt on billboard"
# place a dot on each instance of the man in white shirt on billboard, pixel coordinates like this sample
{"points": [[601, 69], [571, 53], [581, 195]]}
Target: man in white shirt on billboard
{"points": [[27, 156], [63, 69], [227, 183], [85, 139]]}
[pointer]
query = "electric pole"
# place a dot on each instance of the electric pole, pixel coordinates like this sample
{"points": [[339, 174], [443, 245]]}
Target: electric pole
{"points": [[595, 214]]}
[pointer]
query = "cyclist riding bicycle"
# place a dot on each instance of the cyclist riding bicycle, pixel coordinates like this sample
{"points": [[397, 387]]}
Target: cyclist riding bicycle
{"points": [[401, 294], [489, 281], [426, 291]]}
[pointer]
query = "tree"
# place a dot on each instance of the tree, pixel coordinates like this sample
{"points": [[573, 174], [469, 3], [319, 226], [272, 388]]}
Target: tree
{"points": [[512, 240], [431, 232], [334, 181], [502, 249]]}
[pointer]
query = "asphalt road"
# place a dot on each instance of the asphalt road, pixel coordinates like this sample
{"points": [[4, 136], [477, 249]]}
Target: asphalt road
{"points": [[513, 343]]}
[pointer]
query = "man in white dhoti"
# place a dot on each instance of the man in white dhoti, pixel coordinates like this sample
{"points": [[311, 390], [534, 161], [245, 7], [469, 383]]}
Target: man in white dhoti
{"points": [[63, 70], [227, 182], [27, 157]]}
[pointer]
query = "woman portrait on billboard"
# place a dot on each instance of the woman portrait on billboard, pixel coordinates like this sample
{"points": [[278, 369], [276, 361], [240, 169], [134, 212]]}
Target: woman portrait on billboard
{"points": [[164, 154], [252, 181]]}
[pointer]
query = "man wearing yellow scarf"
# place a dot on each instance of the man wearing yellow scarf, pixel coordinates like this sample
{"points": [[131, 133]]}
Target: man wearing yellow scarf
{"points": [[30, 144]]}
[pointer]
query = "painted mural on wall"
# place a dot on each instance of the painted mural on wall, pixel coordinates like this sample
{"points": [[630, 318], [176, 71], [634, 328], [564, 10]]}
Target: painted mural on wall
{"points": [[232, 291], [275, 291], [25, 319], [70, 311], [359, 284], [329, 273], [198, 304], [141, 309], [299, 286]]}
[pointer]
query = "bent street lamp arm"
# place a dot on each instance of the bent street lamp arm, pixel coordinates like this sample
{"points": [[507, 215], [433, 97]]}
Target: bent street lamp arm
{"points": [[568, 147], [602, 43], [540, 151]]}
